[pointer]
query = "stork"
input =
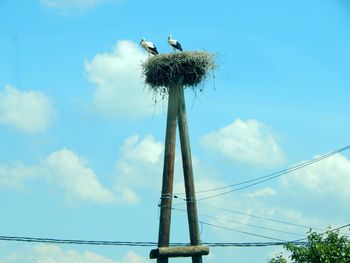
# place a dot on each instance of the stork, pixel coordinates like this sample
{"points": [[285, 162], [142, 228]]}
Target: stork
{"points": [[149, 47], [174, 43]]}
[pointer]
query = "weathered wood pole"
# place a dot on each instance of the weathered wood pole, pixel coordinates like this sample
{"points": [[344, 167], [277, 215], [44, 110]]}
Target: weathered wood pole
{"points": [[188, 176], [168, 170]]}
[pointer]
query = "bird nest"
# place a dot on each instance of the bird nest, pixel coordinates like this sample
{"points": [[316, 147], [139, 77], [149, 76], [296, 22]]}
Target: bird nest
{"points": [[181, 68]]}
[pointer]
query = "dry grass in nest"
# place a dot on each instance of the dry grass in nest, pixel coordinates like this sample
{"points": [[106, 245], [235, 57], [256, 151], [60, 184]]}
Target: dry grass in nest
{"points": [[181, 68]]}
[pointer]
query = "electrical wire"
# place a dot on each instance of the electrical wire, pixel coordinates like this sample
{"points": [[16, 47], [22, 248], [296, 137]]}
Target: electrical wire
{"points": [[113, 243], [329, 230], [251, 244], [260, 217], [218, 244], [76, 241], [240, 231], [261, 180], [270, 176], [252, 215], [277, 174], [152, 244], [245, 224], [139, 243]]}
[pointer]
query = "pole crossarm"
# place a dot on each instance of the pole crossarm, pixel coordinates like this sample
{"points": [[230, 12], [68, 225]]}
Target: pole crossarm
{"points": [[179, 251]]}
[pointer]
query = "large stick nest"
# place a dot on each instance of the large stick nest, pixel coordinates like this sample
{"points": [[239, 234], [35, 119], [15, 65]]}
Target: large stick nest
{"points": [[181, 68]]}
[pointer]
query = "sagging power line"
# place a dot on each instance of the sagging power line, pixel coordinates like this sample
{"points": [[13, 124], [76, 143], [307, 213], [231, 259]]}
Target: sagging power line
{"points": [[136, 243], [262, 179], [244, 224], [151, 243], [261, 217]]}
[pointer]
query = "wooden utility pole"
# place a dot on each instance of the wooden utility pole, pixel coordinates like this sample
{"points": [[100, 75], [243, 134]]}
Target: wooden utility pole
{"points": [[168, 171], [177, 114], [171, 73], [188, 176]]}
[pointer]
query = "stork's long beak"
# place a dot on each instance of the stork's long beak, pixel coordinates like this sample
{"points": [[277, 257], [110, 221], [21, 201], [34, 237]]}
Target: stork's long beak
{"points": [[140, 42]]}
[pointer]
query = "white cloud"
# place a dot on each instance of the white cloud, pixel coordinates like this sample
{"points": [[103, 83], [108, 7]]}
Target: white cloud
{"points": [[79, 182], [287, 203], [249, 142], [29, 111], [147, 150], [303, 198], [76, 4], [120, 91], [329, 178], [267, 191], [140, 165], [55, 254], [132, 257], [15, 175], [298, 216], [68, 171], [205, 179]]}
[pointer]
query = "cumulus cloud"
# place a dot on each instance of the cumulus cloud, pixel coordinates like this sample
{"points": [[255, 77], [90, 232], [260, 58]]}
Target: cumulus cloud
{"points": [[16, 174], [117, 75], [140, 167], [267, 191], [205, 176], [71, 172], [55, 254], [140, 164], [68, 171], [302, 197], [327, 178], [28, 111], [249, 142], [69, 4], [147, 150]]}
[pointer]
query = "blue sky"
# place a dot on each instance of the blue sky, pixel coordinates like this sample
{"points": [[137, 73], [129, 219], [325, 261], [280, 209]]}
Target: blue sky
{"points": [[81, 139]]}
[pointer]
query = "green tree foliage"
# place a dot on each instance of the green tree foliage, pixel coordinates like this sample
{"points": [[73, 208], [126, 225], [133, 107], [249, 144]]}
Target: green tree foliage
{"points": [[330, 247], [278, 259]]}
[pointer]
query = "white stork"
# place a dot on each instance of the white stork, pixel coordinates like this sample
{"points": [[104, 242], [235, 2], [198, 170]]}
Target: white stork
{"points": [[149, 47], [174, 43]]}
